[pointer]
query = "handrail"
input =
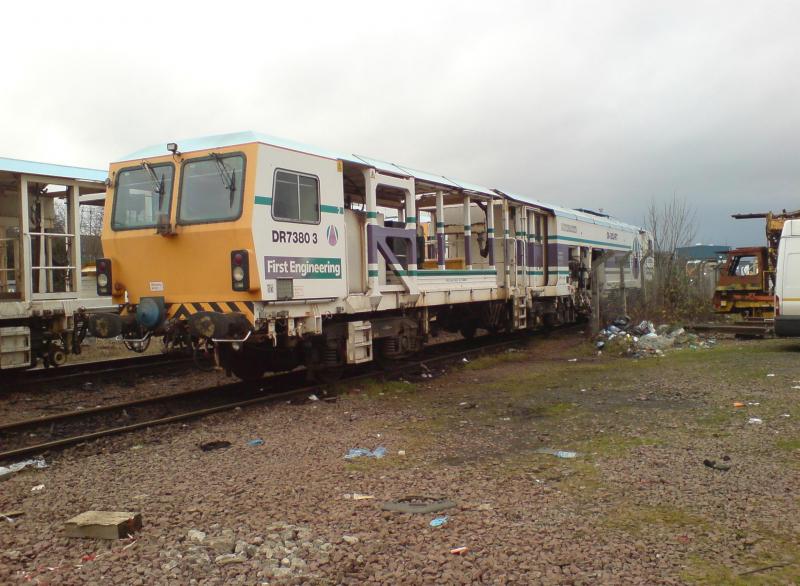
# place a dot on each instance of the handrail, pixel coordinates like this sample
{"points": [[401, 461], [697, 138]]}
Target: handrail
{"points": [[50, 234], [134, 340], [233, 341]]}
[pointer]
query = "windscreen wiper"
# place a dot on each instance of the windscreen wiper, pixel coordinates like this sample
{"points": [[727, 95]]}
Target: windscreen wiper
{"points": [[158, 186], [228, 178]]}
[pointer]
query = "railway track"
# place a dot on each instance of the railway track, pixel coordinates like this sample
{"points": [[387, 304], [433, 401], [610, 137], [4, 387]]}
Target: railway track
{"points": [[750, 328], [82, 372], [74, 427]]}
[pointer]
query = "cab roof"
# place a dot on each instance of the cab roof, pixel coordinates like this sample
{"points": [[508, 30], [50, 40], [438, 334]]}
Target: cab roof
{"points": [[248, 137]]}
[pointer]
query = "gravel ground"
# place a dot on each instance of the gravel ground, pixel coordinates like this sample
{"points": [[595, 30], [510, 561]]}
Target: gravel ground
{"points": [[636, 506]]}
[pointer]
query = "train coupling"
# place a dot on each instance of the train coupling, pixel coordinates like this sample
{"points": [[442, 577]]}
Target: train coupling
{"points": [[222, 327]]}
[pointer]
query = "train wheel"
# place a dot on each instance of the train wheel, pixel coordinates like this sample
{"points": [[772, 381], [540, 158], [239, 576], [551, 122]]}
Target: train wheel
{"points": [[468, 329], [246, 365]]}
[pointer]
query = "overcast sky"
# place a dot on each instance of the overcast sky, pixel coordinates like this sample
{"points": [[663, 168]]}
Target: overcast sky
{"points": [[586, 104]]}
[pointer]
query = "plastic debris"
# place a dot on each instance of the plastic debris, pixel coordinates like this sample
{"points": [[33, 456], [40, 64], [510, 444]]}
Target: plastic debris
{"points": [[378, 452], [401, 452], [217, 445], [358, 497], [755, 420], [38, 488], [771, 374], [644, 339], [459, 550], [313, 398], [418, 504], [256, 442], [785, 415], [738, 404], [464, 360], [35, 462], [557, 453], [11, 516], [723, 466], [572, 360], [438, 521]]}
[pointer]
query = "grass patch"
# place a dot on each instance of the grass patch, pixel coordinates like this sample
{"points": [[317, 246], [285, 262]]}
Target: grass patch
{"points": [[484, 362], [638, 519], [610, 444], [788, 445], [376, 389], [703, 571]]}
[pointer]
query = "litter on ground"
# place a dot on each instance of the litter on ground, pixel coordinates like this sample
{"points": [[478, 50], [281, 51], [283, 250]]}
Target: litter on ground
{"points": [[216, 445], [16, 467], [418, 504], [378, 452], [557, 453], [438, 521]]}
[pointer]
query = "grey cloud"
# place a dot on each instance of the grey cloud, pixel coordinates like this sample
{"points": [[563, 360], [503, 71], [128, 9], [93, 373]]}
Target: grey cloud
{"points": [[604, 105]]}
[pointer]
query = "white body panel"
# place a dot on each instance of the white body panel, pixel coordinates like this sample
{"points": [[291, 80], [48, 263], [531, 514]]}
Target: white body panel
{"points": [[787, 278], [306, 253]]}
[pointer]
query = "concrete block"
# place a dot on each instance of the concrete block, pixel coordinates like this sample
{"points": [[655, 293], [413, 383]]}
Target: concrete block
{"points": [[103, 524]]}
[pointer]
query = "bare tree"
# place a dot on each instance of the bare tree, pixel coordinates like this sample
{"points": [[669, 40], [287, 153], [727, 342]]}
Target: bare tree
{"points": [[672, 224], [91, 227]]}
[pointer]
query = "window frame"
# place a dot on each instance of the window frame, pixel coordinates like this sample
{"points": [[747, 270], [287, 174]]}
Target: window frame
{"points": [[223, 156], [319, 197], [140, 167]]}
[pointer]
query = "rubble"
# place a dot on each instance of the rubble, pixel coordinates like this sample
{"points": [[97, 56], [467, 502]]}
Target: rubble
{"points": [[644, 339]]}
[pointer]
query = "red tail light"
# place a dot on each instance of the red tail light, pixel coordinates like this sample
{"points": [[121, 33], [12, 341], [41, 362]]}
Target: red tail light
{"points": [[103, 266], [240, 270]]}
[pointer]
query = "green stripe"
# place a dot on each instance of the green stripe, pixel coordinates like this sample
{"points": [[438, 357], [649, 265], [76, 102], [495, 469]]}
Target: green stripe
{"points": [[520, 233], [440, 224], [372, 215], [467, 227], [491, 230], [411, 220], [453, 273], [267, 201], [585, 241], [536, 273], [372, 273]]}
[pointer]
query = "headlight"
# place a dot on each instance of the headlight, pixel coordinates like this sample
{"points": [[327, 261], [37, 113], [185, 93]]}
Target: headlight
{"points": [[238, 274], [102, 280]]}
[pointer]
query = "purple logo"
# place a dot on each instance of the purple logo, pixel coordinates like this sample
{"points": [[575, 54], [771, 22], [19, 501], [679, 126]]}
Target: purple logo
{"points": [[332, 234]]}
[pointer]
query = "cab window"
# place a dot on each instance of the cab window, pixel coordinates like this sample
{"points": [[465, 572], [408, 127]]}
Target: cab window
{"points": [[211, 189], [142, 195], [295, 197]]}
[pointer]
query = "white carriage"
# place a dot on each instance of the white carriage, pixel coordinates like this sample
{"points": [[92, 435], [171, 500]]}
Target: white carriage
{"points": [[40, 259]]}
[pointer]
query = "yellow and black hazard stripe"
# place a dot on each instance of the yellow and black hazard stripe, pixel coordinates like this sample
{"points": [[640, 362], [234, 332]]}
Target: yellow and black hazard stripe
{"points": [[184, 310]]}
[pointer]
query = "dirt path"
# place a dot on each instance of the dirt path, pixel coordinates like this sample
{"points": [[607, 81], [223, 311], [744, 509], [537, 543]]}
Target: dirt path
{"points": [[637, 505]]}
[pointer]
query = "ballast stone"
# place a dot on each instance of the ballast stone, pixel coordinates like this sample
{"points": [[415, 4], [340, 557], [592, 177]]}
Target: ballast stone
{"points": [[103, 524]]}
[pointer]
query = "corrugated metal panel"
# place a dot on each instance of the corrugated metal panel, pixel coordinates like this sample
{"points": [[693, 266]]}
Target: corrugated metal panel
{"points": [[48, 170]]}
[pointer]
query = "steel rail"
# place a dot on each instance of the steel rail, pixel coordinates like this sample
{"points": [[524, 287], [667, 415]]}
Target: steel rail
{"points": [[271, 397]]}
